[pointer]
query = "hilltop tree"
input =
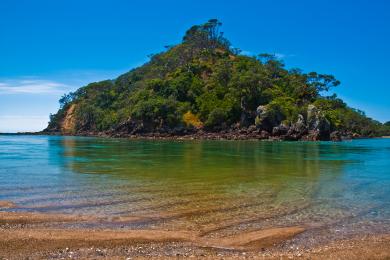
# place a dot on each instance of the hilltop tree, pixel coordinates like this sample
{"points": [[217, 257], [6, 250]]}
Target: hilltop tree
{"points": [[206, 36]]}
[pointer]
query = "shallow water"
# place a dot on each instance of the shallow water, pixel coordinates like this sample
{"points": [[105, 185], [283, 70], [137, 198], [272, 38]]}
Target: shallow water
{"points": [[219, 187]]}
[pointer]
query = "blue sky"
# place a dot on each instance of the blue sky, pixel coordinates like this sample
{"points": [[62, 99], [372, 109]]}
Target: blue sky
{"points": [[51, 47]]}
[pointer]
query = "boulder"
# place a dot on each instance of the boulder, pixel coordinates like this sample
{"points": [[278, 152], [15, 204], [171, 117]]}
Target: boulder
{"points": [[264, 134], [297, 130], [312, 112], [300, 124], [252, 129], [282, 129], [317, 123], [179, 130], [335, 136], [261, 110], [312, 135], [246, 119], [267, 119]]}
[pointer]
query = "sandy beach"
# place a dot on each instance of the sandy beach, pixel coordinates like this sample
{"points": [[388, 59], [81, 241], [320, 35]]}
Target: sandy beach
{"points": [[57, 236]]}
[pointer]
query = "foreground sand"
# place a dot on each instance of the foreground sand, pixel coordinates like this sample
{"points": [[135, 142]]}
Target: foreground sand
{"points": [[51, 236]]}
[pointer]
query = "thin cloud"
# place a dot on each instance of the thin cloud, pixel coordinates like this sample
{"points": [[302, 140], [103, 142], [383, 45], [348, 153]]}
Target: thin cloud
{"points": [[32, 86], [278, 55], [58, 83], [246, 53], [282, 56]]}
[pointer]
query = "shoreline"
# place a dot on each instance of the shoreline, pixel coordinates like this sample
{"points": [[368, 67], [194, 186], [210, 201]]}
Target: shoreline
{"points": [[39, 235], [232, 136]]}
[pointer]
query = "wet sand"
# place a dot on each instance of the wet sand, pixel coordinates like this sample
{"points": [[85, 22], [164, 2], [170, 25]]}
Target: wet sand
{"points": [[6, 204], [55, 236]]}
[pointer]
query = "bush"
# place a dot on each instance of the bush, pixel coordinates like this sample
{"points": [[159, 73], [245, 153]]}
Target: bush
{"points": [[216, 119], [157, 111], [192, 120]]}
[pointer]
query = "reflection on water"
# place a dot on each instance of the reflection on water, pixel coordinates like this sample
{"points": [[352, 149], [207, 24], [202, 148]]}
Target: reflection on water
{"points": [[213, 186]]}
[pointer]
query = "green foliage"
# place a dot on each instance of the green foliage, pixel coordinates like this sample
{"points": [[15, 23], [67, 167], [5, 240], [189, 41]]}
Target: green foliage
{"points": [[206, 36], [385, 129], [216, 119], [345, 118], [157, 112], [283, 108], [205, 77]]}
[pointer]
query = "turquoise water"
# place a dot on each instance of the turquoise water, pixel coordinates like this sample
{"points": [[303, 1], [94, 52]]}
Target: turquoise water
{"points": [[214, 186]]}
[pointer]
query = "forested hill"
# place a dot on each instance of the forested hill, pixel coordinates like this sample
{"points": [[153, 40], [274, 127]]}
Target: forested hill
{"points": [[205, 87]]}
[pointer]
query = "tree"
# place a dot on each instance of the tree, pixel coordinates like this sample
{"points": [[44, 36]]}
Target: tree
{"points": [[322, 82], [206, 36], [66, 99]]}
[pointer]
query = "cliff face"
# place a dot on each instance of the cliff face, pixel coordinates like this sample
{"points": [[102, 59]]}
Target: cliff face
{"points": [[203, 86], [68, 123]]}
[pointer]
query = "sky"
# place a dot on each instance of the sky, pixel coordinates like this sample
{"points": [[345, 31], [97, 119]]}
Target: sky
{"points": [[48, 48]]}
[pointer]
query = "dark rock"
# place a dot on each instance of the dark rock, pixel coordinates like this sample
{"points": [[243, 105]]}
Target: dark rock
{"points": [[242, 131], [300, 125], [280, 130], [335, 136], [297, 130], [264, 134], [356, 135], [313, 135], [179, 130], [252, 129], [346, 136], [246, 119]]}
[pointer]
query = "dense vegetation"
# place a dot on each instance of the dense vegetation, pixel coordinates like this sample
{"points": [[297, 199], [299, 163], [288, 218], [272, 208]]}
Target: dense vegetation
{"points": [[205, 84]]}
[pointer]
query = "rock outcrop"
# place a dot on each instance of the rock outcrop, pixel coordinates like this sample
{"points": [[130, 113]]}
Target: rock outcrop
{"points": [[267, 119], [318, 125]]}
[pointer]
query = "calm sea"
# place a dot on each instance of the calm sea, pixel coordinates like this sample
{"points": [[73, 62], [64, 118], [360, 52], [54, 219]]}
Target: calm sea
{"points": [[333, 189]]}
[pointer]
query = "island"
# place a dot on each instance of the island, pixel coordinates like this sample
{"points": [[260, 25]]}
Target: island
{"points": [[206, 88]]}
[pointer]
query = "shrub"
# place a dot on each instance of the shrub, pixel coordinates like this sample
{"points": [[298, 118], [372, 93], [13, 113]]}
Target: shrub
{"points": [[216, 119], [192, 120]]}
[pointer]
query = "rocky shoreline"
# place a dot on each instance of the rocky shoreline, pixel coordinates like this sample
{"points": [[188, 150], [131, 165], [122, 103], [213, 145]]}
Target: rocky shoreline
{"points": [[241, 134], [312, 126]]}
